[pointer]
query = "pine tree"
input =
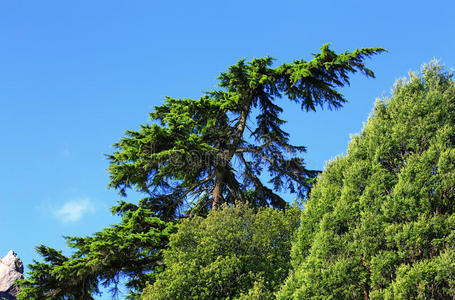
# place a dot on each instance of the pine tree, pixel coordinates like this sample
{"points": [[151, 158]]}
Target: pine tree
{"points": [[131, 249], [200, 153], [380, 221]]}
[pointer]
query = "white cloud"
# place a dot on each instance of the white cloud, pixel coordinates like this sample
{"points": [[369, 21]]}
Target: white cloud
{"points": [[74, 210]]}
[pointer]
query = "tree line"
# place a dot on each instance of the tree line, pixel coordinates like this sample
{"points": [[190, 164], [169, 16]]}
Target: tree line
{"points": [[377, 223]]}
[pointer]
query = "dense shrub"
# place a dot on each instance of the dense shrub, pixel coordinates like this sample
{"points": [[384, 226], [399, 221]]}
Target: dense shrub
{"points": [[237, 252]]}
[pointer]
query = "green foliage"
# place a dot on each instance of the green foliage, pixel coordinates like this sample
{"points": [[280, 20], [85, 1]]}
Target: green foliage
{"points": [[196, 155], [132, 248], [236, 252], [380, 221], [200, 153]]}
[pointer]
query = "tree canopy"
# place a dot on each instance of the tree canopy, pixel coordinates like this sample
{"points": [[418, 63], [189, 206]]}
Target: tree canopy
{"points": [[236, 252], [380, 221], [200, 153], [193, 157]]}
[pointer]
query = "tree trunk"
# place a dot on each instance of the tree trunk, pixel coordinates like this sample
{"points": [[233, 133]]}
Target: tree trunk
{"points": [[217, 196]]}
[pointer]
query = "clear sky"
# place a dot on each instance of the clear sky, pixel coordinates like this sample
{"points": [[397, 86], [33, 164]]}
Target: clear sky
{"points": [[74, 75]]}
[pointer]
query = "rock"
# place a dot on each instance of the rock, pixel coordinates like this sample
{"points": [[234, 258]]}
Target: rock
{"points": [[11, 269], [13, 262]]}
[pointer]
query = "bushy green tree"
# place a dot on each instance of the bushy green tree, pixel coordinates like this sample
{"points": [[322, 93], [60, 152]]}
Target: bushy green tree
{"points": [[236, 252], [380, 221]]}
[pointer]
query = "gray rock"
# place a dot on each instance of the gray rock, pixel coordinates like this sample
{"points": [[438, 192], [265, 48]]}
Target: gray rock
{"points": [[11, 269]]}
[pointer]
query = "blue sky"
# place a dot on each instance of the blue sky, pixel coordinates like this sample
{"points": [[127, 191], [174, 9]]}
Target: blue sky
{"points": [[74, 75]]}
